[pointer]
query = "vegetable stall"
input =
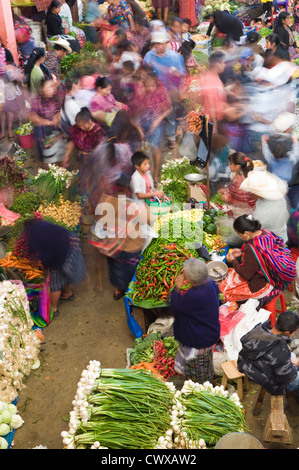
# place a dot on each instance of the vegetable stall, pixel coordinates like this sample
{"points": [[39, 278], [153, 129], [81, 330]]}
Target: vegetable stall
{"points": [[24, 289], [19, 350], [135, 409], [182, 232]]}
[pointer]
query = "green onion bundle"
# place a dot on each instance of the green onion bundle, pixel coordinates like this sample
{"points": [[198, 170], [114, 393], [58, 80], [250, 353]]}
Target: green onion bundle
{"points": [[120, 409], [205, 413], [210, 417]]}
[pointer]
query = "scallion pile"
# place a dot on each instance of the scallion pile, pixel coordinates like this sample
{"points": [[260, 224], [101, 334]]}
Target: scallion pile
{"points": [[119, 409], [205, 413], [133, 409]]}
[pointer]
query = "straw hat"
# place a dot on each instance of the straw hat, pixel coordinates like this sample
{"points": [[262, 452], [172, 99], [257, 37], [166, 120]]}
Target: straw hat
{"points": [[63, 43], [265, 185]]}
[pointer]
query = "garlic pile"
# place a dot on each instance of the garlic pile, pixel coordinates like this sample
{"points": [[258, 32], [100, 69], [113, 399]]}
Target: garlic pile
{"points": [[80, 410], [19, 343]]}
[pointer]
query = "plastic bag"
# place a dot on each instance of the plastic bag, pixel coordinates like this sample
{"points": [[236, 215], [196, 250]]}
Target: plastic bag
{"points": [[163, 324], [232, 341], [188, 147], [228, 322]]}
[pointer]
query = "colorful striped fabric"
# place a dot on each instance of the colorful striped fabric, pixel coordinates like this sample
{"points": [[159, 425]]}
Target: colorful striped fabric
{"points": [[274, 259]]}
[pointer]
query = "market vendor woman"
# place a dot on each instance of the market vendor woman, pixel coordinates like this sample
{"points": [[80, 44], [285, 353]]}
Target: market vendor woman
{"points": [[225, 23], [257, 275], [60, 253], [196, 324]]}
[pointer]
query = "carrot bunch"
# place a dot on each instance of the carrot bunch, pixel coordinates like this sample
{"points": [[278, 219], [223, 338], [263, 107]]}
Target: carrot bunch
{"points": [[194, 122], [31, 269]]}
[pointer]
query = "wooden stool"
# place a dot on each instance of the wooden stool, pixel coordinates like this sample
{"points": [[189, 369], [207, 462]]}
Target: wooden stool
{"points": [[292, 404], [231, 372], [277, 428]]}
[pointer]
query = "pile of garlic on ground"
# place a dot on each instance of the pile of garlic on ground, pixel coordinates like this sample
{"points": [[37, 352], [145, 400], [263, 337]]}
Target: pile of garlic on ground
{"points": [[19, 343]]}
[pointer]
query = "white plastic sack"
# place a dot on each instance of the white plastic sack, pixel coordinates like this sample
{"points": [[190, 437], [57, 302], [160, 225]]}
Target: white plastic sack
{"points": [[232, 341], [163, 324], [188, 147]]}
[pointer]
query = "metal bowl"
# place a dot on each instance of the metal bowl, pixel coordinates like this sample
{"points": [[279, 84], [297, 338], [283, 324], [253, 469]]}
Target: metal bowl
{"points": [[194, 177], [4, 230], [217, 270]]}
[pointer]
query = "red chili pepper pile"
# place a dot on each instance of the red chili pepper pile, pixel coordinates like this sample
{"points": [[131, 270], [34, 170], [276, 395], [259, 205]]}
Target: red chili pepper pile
{"points": [[164, 363], [155, 277]]}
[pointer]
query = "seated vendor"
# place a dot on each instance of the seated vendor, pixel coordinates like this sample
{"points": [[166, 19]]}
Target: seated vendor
{"points": [[239, 165], [250, 278]]}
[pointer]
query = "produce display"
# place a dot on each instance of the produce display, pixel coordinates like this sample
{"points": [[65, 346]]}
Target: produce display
{"points": [[264, 32], [202, 414], [11, 173], [156, 273], [26, 203], [25, 129], [50, 184], [154, 353], [20, 269], [134, 409], [64, 211], [199, 37], [10, 420], [192, 227], [19, 343], [118, 409], [194, 122], [212, 5], [172, 178]]}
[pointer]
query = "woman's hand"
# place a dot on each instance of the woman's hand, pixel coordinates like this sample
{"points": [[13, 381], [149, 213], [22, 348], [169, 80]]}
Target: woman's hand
{"points": [[236, 252], [233, 254], [180, 281], [230, 257], [159, 193], [66, 162]]}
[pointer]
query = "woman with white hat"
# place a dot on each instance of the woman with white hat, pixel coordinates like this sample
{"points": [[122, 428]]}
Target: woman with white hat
{"points": [[271, 206], [61, 48]]}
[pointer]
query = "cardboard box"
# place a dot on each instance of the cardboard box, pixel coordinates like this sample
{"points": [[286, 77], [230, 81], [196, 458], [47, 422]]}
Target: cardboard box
{"points": [[195, 191]]}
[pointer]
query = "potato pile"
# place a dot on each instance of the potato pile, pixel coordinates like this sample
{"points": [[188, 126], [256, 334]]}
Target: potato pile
{"points": [[199, 37], [65, 211]]}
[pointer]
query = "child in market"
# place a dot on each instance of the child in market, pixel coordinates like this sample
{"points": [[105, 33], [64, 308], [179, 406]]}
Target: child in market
{"points": [[185, 29], [142, 183], [239, 165], [85, 135], [175, 33]]}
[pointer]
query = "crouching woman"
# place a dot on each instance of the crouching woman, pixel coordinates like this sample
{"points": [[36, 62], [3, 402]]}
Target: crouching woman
{"points": [[196, 324]]}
